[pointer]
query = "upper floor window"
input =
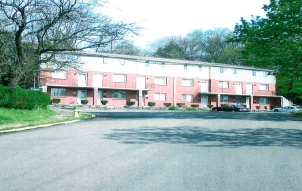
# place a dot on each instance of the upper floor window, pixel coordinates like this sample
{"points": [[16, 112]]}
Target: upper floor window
{"points": [[187, 97], [59, 74], [223, 84], [254, 72], [105, 60], [163, 65], [66, 57], [263, 87], [221, 69], [185, 67], [264, 73], [199, 68], [122, 62], [263, 100], [58, 92], [118, 94], [235, 71], [160, 96], [119, 78], [147, 64], [160, 81], [224, 99], [187, 82]]}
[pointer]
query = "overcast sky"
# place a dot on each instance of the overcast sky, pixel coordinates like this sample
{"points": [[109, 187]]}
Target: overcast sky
{"points": [[161, 18]]}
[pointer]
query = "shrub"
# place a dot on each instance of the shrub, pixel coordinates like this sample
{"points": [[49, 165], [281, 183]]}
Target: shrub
{"points": [[258, 107], [273, 107], [210, 106], [104, 102], [194, 105], [84, 102], [167, 104], [151, 103], [130, 103], [180, 104], [265, 107], [19, 98], [56, 100], [173, 108], [244, 105]]}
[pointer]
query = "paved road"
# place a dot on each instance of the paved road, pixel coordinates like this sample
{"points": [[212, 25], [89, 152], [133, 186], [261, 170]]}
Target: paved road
{"points": [[177, 151]]}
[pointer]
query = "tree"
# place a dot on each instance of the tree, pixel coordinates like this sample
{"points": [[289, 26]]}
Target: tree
{"points": [[126, 47], [275, 42], [32, 28]]}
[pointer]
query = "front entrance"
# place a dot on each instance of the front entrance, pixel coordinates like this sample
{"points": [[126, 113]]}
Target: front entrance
{"points": [[82, 95], [238, 101], [204, 101], [100, 97], [247, 102]]}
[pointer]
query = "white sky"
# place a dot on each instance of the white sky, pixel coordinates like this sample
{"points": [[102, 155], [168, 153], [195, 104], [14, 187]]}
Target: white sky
{"points": [[161, 18]]}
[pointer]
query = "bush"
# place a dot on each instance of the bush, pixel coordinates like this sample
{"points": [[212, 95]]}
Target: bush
{"points": [[84, 102], [130, 103], [210, 106], [167, 104], [258, 107], [273, 107], [151, 103], [19, 98], [173, 108], [180, 104], [194, 105], [56, 100], [104, 102]]}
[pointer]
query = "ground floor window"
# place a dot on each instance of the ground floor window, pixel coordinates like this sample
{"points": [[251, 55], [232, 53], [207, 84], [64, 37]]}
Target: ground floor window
{"points": [[160, 96], [119, 95], [263, 100], [187, 97], [60, 92], [224, 99]]}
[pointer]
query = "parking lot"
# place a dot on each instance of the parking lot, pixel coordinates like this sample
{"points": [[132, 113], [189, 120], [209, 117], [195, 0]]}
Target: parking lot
{"points": [[158, 151]]}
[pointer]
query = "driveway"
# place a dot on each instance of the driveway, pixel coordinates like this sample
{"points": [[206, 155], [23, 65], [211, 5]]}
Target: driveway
{"points": [[157, 151]]}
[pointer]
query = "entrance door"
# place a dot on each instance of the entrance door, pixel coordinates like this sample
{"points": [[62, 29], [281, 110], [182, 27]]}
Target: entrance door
{"points": [[238, 88], [238, 101], [98, 80], [100, 97], [204, 87], [82, 80], [141, 82], [204, 101], [249, 89], [82, 95], [247, 102]]}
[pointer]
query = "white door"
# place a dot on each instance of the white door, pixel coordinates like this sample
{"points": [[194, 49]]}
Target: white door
{"points": [[82, 80], [238, 88], [100, 97], [204, 87], [98, 80], [247, 102], [140, 82], [82, 95], [204, 101], [249, 89]]}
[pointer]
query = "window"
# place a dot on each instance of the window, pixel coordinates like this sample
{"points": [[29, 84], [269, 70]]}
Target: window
{"points": [[185, 67], [221, 70], [199, 68], [263, 100], [187, 97], [119, 78], [263, 87], [187, 82], [59, 74], [122, 62], [163, 65], [147, 64], [58, 92], [224, 99], [66, 57], [235, 71], [264, 73], [105, 60], [160, 81], [160, 96], [223, 84], [119, 95], [254, 73]]}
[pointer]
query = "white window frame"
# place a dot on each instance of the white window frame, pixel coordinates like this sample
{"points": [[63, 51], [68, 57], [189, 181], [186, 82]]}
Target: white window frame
{"points": [[105, 60], [224, 99], [122, 62], [199, 68], [160, 81], [263, 87], [147, 64], [187, 97], [264, 73], [58, 92], [185, 67], [221, 70], [235, 71], [187, 82], [159, 96], [254, 73], [59, 74], [263, 100], [223, 84], [120, 78], [163, 65], [118, 95]]}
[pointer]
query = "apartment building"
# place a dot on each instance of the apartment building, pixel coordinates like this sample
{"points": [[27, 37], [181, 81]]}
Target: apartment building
{"points": [[122, 78]]}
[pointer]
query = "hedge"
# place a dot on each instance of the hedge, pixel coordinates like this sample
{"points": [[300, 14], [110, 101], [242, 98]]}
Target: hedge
{"points": [[19, 98]]}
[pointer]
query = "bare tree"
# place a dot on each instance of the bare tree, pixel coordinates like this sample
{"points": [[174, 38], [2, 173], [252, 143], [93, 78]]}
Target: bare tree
{"points": [[32, 28]]}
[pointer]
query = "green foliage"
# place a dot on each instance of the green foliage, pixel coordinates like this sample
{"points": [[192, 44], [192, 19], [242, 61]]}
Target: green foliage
{"points": [[56, 100], [104, 102], [19, 98], [84, 102], [258, 107], [151, 104], [167, 104], [210, 106], [180, 104], [130, 103], [173, 108], [194, 105], [273, 107]]}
